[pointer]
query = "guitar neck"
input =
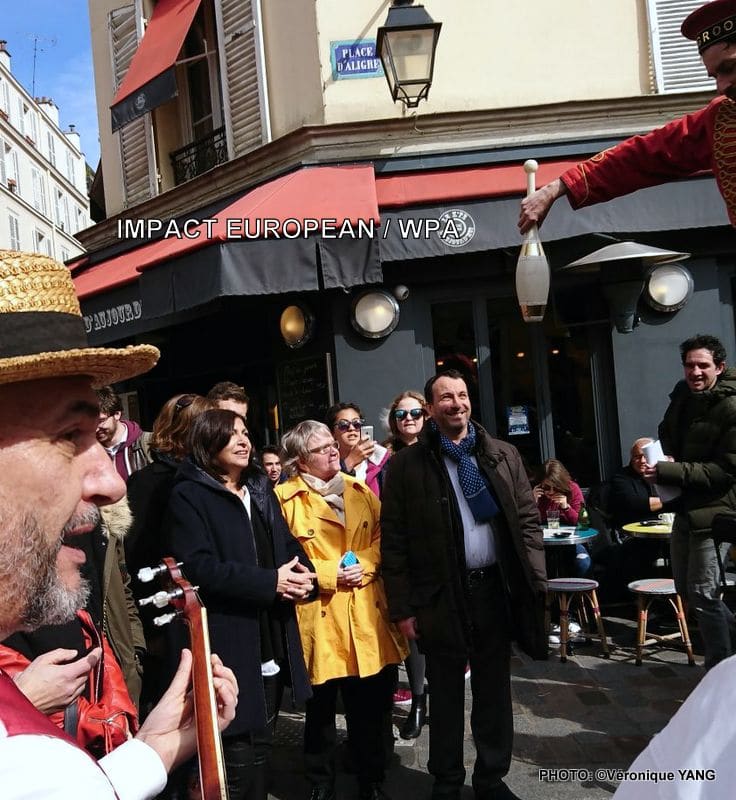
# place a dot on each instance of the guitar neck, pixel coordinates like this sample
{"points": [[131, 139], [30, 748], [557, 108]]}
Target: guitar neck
{"points": [[211, 765]]}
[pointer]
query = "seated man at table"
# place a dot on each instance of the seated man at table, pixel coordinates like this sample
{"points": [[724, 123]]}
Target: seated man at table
{"points": [[630, 499]]}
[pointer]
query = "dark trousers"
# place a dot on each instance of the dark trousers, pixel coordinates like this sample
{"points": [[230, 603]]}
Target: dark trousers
{"points": [[246, 755], [365, 701], [491, 718]]}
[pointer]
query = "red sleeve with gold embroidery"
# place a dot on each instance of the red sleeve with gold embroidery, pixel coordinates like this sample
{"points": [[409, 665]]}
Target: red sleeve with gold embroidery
{"points": [[676, 150]]}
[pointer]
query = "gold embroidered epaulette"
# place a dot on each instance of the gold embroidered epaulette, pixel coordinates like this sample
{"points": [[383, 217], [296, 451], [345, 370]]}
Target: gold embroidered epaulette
{"points": [[724, 154]]}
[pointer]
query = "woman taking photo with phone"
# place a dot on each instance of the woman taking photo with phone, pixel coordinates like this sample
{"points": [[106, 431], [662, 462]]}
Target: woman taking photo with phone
{"points": [[349, 643], [360, 456]]}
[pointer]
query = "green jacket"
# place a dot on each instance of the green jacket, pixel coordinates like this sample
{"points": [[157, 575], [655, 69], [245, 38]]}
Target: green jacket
{"points": [[121, 622], [704, 450]]}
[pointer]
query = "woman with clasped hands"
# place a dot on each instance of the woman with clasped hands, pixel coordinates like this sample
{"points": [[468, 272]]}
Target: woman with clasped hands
{"points": [[250, 570], [349, 643]]}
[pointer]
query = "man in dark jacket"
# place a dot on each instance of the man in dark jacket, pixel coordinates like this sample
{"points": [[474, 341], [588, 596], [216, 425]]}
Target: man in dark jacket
{"points": [[463, 567], [123, 439], [699, 432]]}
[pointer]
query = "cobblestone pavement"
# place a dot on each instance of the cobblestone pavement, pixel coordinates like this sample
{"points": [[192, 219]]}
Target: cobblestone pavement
{"points": [[590, 713]]}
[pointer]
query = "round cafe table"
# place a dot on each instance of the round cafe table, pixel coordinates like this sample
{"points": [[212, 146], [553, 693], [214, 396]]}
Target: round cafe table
{"points": [[654, 530], [648, 529], [559, 560], [567, 534]]}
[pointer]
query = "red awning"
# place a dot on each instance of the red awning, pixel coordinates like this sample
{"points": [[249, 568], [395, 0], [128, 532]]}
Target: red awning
{"points": [[301, 199], [449, 185], [150, 79]]}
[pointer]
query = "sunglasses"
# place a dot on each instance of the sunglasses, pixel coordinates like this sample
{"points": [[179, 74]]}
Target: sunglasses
{"points": [[346, 424], [184, 402], [402, 413], [325, 449], [545, 487]]}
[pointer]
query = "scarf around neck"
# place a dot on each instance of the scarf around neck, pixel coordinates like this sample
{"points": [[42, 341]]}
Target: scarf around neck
{"points": [[474, 486], [332, 491]]}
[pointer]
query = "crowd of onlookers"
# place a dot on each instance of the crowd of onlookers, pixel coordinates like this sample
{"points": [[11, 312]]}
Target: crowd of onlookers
{"points": [[285, 548]]}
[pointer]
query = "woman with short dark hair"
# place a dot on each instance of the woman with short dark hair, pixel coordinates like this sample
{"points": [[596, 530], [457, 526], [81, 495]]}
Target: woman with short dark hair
{"points": [[250, 570]]}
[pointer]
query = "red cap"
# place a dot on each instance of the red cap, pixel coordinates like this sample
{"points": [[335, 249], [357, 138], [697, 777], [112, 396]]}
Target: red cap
{"points": [[711, 23]]}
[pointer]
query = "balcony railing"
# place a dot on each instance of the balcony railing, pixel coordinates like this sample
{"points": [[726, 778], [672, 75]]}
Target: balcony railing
{"points": [[199, 156]]}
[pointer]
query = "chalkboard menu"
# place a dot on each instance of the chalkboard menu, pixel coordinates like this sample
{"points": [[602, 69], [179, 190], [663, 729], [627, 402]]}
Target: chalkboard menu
{"points": [[305, 390]]}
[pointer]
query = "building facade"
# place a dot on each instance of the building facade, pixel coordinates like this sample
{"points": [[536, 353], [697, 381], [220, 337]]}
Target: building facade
{"points": [[43, 183], [219, 118]]}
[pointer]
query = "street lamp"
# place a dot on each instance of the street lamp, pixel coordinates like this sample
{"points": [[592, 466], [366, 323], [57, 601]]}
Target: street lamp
{"points": [[406, 45]]}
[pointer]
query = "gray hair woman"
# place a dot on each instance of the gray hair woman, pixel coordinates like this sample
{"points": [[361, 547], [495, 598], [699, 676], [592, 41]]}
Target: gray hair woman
{"points": [[349, 643]]}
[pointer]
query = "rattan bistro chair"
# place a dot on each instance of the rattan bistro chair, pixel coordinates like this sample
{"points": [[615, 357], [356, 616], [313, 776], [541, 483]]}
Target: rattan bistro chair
{"points": [[723, 532], [567, 591], [647, 591]]}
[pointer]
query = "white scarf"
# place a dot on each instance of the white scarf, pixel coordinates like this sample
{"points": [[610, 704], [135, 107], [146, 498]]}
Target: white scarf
{"points": [[332, 491]]}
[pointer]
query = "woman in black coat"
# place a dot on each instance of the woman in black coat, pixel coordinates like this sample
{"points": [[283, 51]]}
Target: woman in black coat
{"points": [[236, 547], [148, 496]]}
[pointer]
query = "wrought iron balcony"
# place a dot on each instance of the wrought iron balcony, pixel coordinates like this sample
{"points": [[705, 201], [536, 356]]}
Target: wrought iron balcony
{"points": [[199, 156]]}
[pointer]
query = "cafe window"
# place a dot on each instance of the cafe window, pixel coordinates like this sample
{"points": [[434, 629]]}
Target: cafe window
{"points": [[453, 335]]}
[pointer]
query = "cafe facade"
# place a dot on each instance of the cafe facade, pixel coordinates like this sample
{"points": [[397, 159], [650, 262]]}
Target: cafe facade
{"points": [[351, 259]]}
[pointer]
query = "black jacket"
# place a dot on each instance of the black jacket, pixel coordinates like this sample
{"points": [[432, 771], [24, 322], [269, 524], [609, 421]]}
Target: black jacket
{"points": [[629, 497], [209, 531], [699, 432], [423, 553]]}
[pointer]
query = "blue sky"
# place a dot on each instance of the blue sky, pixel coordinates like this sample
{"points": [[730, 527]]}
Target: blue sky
{"points": [[63, 60]]}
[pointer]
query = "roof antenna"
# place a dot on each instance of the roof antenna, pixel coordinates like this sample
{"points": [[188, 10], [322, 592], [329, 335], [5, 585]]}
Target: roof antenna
{"points": [[51, 41]]}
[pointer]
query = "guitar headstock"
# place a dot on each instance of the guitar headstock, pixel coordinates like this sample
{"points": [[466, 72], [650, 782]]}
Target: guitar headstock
{"points": [[176, 591]]}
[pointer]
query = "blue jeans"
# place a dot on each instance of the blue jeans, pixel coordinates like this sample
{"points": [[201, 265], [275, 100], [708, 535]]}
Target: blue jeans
{"points": [[695, 570]]}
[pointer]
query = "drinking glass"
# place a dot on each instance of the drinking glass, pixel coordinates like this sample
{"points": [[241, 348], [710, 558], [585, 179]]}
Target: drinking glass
{"points": [[553, 518]]}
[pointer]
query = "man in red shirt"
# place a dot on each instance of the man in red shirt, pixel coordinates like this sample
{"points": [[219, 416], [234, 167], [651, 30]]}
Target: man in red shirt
{"points": [[703, 140]]}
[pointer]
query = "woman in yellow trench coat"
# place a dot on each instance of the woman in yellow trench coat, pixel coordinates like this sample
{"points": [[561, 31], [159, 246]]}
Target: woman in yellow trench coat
{"points": [[346, 635]]}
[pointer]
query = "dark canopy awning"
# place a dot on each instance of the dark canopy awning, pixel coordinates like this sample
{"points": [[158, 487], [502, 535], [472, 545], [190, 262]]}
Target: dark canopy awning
{"points": [[470, 226], [150, 79]]}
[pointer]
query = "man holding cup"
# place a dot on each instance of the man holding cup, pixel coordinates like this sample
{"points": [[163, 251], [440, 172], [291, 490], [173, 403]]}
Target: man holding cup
{"points": [[699, 433]]}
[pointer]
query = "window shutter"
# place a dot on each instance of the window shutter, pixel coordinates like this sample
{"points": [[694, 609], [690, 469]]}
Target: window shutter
{"points": [[241, 75], [133, 137], [677, 64], [3, 172]]}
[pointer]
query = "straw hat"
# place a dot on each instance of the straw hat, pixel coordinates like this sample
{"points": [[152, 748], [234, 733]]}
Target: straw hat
{"points": [[42, 331]]}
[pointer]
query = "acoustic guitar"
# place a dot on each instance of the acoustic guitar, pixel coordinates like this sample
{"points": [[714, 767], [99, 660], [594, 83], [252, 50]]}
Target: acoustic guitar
{"points": [[180, 594]]}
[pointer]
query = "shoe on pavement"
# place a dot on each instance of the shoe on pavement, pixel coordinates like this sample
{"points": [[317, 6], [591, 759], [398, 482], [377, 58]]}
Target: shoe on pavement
{"points": [[402, 697], [499, 792]]}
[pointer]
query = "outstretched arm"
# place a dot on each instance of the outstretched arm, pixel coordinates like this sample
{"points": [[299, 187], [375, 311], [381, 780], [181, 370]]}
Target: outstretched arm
{"points": [[536, 206]]}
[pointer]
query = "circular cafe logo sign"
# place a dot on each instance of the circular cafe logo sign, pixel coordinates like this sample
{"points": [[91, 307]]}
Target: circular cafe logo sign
{"points": [[140, 101], [457, 227]]}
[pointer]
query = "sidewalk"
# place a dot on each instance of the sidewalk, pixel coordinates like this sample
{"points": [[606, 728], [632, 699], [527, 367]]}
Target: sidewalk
{"points": [[589, 713]]}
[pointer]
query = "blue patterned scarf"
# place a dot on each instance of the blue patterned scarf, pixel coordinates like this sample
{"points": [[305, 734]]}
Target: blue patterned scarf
{"points": [[473, 484]]}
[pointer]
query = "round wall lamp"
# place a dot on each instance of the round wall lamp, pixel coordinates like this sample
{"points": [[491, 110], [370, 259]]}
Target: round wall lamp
{"points": [[668, 287], [296, 326], [374, 313]]}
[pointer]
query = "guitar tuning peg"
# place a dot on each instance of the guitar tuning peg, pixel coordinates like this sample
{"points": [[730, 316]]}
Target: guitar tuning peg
{"points": [[147, 574], [160, 599], [164, 619]]}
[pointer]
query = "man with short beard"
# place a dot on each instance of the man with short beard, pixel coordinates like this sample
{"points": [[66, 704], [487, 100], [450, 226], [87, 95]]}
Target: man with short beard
{"points": [[52, 473]]}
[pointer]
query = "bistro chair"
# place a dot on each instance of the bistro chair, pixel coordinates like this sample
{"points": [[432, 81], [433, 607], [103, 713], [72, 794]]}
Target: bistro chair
{"points": [[647, 591], [567, 592], [723, 532]]}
